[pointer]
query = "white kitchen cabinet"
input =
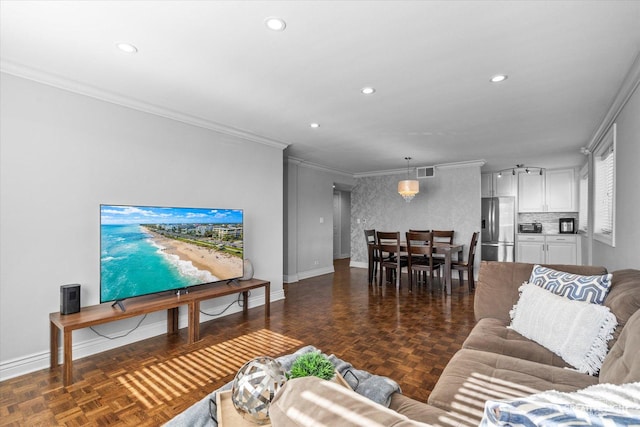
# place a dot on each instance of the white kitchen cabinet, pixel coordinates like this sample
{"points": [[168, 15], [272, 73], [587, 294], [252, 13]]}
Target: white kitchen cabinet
{"points": [[530, 192], [553, 191], [494, 185], [530, 249], [560, 190], [504, 185], [562, 249], [548, 249], [486, 185]]}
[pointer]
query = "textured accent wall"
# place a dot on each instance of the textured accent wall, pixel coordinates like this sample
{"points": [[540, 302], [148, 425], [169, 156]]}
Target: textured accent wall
{"points": [[448, 201]]}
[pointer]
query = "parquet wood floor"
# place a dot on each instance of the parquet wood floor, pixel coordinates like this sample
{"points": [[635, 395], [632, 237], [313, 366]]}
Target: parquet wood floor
{"points": [[409, 337]]}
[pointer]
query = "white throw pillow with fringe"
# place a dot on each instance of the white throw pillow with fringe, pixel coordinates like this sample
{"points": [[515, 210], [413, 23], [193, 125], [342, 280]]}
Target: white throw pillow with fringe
{"points": [[574, 330]]}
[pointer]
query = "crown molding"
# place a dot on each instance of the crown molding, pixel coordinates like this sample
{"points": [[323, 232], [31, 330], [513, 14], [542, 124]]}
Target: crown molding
{"points": [[301, 162], [479, 163], [470, 163], [114, 98], [628, 87]]}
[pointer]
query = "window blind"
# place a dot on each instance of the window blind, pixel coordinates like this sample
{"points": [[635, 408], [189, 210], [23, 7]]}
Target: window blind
{"points": [[604, 188], [583, 214]]}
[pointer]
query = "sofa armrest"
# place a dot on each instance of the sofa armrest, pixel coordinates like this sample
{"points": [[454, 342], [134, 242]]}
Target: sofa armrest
{"points": [[310, 400], [498, 284]]}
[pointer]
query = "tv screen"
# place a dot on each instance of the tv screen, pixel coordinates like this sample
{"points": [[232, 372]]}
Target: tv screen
{"points": [[150, 249]]}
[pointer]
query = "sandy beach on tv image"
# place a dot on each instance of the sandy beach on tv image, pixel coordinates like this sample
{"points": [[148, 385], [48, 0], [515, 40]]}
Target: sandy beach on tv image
{"points": [[219, 264]]}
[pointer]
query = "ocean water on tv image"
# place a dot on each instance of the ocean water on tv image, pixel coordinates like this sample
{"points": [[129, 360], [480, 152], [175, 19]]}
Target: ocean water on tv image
{"points": [[132, 265]]}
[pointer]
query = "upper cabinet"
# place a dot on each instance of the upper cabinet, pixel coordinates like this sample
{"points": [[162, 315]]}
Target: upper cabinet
{"points": [[494, 185], [560, 190], [553, 191], [530, 192]]}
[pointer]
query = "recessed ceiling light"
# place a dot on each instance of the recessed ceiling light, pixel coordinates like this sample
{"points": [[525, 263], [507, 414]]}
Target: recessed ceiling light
{"points": [[275, 24], [368, 90], [499, 78], [314, 125], [127, 47]]}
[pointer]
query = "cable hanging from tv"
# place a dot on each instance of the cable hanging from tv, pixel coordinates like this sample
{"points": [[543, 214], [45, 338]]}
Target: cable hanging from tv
{"points": [[119, 336], [238, 301]]}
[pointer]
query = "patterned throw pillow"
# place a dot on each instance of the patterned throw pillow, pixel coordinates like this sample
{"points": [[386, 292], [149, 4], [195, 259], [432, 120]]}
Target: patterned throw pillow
{"points": [[591, 289], [598, 405]]}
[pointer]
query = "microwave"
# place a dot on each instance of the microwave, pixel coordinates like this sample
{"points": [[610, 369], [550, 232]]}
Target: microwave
{"points": [[530, 227]]}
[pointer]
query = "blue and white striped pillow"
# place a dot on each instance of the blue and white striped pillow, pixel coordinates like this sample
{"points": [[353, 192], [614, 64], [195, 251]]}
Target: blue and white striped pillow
{"points": [[591, 289]]}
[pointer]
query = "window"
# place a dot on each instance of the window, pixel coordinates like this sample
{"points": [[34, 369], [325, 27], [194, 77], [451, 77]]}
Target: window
{"points": [[583, 214], [604, 167]]}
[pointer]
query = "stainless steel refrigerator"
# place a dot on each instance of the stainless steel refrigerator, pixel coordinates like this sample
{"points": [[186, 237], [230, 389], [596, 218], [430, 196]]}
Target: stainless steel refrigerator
{"points": [[498, 228]]}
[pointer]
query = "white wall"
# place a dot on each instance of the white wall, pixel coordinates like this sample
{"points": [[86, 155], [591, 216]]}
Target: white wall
{"points": [[62, 154], [448, 201], [344, 214], [627, 210], [309, 243]]}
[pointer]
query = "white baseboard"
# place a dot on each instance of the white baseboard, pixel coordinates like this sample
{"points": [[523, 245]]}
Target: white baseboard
{"points": [[359, 264], [37, 361], [290, 278], [315, 272], [293, 278]]}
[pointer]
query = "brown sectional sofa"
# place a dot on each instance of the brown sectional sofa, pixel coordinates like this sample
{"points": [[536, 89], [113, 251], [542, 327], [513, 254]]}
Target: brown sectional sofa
{"points": [[497, 363]]}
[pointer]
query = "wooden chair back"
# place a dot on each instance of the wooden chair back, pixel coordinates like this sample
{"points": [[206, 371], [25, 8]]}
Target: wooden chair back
{"points": [[472, 248], [419, 243], [445, 236], [388, 241], [390, 257], [370, 236]]}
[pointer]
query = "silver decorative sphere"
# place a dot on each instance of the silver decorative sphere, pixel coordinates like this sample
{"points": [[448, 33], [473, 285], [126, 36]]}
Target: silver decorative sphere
{"points": [[255, 385]]}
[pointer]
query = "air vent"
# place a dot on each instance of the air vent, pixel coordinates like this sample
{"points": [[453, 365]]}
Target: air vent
{"points": [[425, 172]]}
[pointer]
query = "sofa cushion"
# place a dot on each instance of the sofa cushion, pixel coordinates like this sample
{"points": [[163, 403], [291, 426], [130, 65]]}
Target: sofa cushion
{"points": [[624, 297], [473, 377], [493, 335], [420, 411], [498, 282], [311, 400], [578, 331], [576, 287], [622, 364]]}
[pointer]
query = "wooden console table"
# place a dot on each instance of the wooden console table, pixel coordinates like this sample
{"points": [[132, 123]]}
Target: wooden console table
{"points": [[105, 313]]}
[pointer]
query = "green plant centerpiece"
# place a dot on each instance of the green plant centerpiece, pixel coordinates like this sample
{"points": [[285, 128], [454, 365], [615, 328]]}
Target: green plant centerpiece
{"points": [[313, 364]]}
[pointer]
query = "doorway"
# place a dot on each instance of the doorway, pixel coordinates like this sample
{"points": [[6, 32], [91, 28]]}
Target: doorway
{"points": [[341, 223]]}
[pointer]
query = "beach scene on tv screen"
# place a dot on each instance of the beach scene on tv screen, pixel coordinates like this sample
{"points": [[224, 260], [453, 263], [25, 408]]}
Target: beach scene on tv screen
{"points": [[152, 249]]}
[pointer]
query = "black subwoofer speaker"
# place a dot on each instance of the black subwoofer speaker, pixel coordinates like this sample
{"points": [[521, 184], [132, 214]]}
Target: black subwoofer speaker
{"points": [[69, 299]]}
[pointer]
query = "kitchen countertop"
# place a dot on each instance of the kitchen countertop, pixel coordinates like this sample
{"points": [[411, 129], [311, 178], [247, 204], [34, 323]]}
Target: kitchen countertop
{"points": [[548, 234]]}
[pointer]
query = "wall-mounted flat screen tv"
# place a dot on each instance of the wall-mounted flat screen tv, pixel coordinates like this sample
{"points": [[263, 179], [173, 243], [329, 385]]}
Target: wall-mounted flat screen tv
{"points": [[151, 249]]}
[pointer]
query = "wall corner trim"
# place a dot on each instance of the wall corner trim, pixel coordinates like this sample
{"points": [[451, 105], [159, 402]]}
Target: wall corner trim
{"points": [[628, 87]]}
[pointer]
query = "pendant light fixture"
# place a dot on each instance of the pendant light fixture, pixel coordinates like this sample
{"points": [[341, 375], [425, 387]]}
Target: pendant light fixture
{"points": [[408, 188]]}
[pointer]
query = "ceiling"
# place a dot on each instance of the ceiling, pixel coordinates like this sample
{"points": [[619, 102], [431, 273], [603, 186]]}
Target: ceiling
{"points": [[215, 64]]}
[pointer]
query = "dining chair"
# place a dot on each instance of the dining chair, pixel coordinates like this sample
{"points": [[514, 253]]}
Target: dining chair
{"points": [[467, 266], [445, 236], [391, 258], [372, 253], [420, 256]]}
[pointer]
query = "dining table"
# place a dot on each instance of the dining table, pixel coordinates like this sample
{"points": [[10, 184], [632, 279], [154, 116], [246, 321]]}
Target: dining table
{"points": [[447, 249]]}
